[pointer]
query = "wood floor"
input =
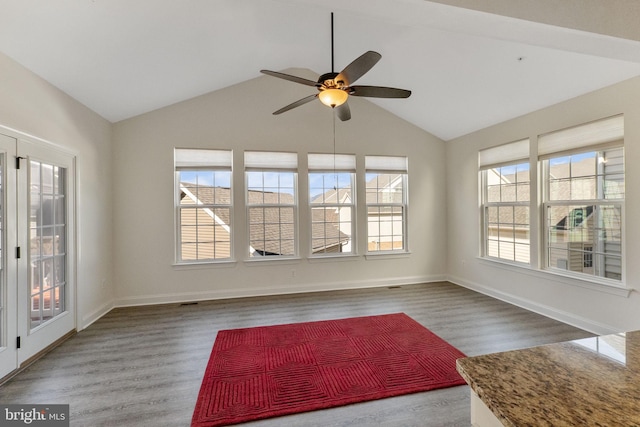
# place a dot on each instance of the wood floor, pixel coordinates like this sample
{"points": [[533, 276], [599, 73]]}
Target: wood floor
{"points": [[142, 366]]}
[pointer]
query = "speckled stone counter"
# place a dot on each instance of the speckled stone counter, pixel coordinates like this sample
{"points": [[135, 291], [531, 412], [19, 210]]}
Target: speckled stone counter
{"points": [[588, 382]]}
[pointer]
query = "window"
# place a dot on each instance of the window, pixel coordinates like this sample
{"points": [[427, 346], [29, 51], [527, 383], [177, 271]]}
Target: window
{"points": [[505, 201], [386, 195], [583, 171], [271, 203], [47, 235], [332, 201], [588, 257], [204, 208]]}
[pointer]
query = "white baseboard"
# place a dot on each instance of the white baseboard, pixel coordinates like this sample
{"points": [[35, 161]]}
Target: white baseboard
{"points": [[180, 297], [90, 318], [553, 313]]}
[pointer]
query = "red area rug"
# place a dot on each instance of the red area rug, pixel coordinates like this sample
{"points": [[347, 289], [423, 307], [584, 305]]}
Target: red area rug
{"points": [[270, 371]]}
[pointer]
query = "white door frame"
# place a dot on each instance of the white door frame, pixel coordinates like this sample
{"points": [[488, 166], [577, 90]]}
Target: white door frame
{"points": [[33, 341], [8, 281], [16, 316]]}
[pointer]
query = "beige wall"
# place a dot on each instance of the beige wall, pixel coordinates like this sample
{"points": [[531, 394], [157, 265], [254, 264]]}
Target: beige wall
{"points": [[32, 106], [135, 236], [591, 306], [239, 118]]}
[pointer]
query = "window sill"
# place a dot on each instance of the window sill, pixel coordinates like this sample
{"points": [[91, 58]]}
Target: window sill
{"points": [[333, 258], [203, 264], [505, 263], [271, 260], [387, 255], [558, 276]]}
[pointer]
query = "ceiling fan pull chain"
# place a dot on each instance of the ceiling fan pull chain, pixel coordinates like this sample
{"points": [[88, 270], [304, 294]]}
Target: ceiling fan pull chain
{"points": [[335, 174]]}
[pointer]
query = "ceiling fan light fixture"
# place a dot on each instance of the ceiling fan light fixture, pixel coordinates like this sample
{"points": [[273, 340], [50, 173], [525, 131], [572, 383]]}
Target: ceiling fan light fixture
{"points": [[333, 97], [335, 88]]}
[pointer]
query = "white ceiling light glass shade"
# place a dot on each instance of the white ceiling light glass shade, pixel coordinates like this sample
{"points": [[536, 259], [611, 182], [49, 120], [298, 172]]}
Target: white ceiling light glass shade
{"points": [[333, 97]]}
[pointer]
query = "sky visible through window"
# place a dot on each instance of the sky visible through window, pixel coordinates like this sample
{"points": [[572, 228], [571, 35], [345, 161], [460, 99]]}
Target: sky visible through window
{"points": [[522, 167], [511, 170], [207, 178], [321, 182], [575, 158]]}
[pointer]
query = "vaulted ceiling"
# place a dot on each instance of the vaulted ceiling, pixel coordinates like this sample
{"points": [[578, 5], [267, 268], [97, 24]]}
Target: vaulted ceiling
{"points": [[467, 69]]}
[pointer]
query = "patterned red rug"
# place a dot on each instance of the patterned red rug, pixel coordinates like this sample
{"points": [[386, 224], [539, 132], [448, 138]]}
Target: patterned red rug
{"points": [[270, 371]]}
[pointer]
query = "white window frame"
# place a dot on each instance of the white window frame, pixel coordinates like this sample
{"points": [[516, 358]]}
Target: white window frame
{"points": [[328, 167], [594, 248], [202, 161], [270, 163], [387, 165], [594, 137], [512, 154]]}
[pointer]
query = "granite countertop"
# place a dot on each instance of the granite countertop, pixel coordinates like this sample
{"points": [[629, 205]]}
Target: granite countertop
{"points": [[588, 382]]}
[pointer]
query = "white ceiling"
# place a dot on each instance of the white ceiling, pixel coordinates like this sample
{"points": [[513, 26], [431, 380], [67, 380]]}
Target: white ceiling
{"points": [[467, 69]]}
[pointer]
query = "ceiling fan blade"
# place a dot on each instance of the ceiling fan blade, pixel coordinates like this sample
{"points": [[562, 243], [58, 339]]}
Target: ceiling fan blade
{"points": [[296, 104], [344, 112], [379, 92], [291, 78], [358, 67]]}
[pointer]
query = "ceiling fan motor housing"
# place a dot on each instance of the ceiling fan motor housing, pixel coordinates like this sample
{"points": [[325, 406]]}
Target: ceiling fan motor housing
{"points": [[328, 81]]}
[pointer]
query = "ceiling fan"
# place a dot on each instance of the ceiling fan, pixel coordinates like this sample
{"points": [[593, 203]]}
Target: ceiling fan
{"points": [[334, 88]]}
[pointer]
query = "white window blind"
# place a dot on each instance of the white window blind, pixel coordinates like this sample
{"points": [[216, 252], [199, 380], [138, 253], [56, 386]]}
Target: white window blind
{"points": [[329, 162], [386, 164], [185, 158], [598, 133], [512, 152], [270, 160]]}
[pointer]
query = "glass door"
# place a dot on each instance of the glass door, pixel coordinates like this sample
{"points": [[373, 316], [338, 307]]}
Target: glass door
{"points": [[45, 237], [8, 263]]}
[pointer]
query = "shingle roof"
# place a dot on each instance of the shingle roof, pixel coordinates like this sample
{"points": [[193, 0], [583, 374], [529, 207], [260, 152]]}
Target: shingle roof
{"points": [[272, 228], [567, 185]]}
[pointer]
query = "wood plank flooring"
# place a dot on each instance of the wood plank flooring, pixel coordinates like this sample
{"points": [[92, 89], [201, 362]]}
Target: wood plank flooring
{"points": [[142, 366]]}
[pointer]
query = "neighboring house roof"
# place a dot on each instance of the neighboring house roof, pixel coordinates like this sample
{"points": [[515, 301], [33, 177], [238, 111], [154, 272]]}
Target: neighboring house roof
{"points": [[277, 236], [343, 194], [326, 236], [381, 189], [517, 187], [375, 188], [208, 196]]}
